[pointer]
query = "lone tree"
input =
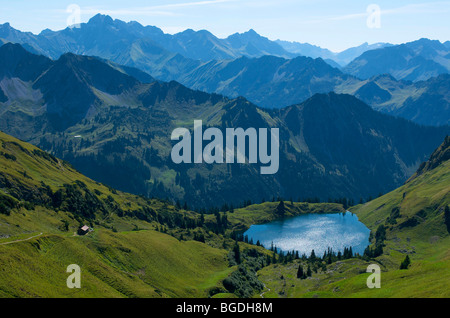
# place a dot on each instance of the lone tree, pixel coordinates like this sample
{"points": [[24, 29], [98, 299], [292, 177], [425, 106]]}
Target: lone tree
{"points": [[281, 209], [406, 262]]}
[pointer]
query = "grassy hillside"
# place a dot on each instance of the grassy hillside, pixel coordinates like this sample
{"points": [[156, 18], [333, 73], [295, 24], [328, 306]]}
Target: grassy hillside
{"points": [[126, 264], [139, 247], [414, 218], [123, 256], [149, 248]]}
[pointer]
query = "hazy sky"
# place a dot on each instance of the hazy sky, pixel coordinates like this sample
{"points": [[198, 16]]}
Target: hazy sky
{"points": [[335, 25]]}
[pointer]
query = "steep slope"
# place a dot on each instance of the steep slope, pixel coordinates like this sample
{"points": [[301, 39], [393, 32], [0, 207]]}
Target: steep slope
{"points": [[354, 135], [437, 158], [416, 209], [88, 82], [43, 201], [320, 155], [415, 221], [117, 130], [136, 247], [268, 81], [83, 77], [17, 62], [432, 106], [424, 102]]}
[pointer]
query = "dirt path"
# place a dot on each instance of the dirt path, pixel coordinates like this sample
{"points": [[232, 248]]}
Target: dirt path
{"points": [[21, 240], [268, 290]]}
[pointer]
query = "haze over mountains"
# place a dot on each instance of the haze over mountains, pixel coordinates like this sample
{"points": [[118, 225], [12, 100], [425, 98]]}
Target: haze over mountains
{"points": [[414, 61], [115, 129], [269, 73], [340, 59], [360, 129]]}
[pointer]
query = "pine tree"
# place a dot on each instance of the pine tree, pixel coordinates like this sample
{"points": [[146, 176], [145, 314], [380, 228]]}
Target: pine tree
{"points": [[300, 272], [308, 271], [406, 262], [312, 257], [237, 253], [274, 257], [380, 234], [281, 209]]}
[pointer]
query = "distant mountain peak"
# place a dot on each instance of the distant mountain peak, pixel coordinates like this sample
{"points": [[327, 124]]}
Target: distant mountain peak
{"points": [[46, 31], [383, 76], [10, 45], [6, 29], [187, 31], [424, 40], [101, 19], [251, 32], [69, 57], [13, 48], [135, 23]]}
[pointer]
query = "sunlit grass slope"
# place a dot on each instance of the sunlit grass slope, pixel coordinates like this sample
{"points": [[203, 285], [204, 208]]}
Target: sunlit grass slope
{"points": [[123, 257], [415, 226]]}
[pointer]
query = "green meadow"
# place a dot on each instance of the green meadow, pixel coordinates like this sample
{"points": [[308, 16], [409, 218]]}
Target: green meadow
{"points": [[142, 247]]}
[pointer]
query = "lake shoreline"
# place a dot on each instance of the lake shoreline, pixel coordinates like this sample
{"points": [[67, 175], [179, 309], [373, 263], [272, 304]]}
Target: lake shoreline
{"points": [[307, 232]]}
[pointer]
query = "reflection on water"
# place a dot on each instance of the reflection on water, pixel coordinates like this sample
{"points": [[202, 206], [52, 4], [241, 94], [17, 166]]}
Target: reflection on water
{"points": [[306, 232]]}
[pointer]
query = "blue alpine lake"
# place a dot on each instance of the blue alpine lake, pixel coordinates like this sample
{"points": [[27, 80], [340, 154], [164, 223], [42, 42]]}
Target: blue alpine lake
{"points": [[317, 232]]}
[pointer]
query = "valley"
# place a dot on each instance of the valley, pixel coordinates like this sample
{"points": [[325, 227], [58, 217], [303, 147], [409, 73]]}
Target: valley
{"points": [[175, 163], [115, 122], [140, 246]]}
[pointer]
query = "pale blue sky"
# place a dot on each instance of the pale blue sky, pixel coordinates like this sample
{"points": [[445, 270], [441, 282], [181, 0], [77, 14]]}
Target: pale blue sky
{"points": [[336, 25]]}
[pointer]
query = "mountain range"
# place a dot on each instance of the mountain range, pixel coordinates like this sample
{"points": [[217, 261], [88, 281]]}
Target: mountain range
{"points": [[196, 45], [140, 247], [105, 35], [86, 119], [268, 73], [102, 35], [115, 128], [275, 82], [413, 61], [334, 59]]}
